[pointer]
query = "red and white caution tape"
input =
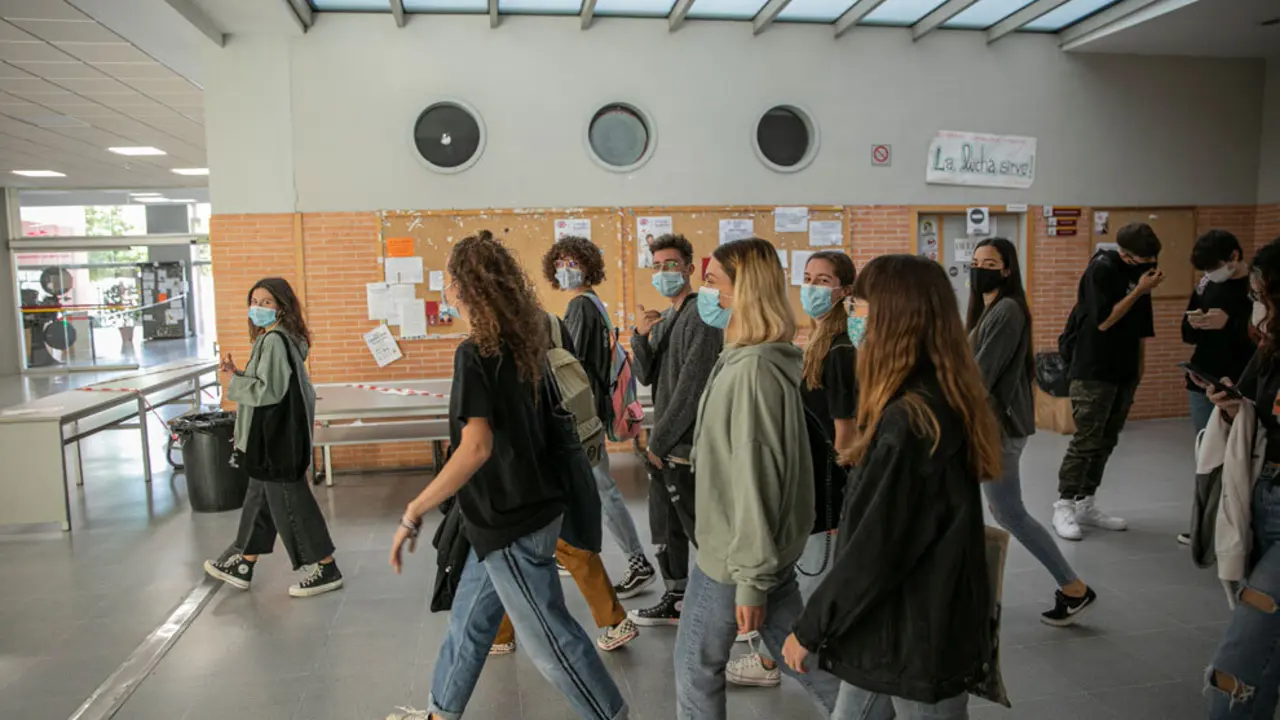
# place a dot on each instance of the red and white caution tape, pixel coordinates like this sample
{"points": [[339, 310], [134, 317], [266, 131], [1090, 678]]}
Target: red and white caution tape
{"points": [[396, 391]]}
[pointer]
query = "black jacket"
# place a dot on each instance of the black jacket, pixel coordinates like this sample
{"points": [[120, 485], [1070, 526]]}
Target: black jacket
{"points": [[904, 608], [591, 345]]}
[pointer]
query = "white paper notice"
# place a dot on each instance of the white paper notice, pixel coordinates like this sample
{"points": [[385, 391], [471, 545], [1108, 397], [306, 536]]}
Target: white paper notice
{"points": [[378, 297], [398, 295], [964, 250], [404, 270], [382, 345], [173, 317], [826, 233], [436, 278], [791, 219], [413, 319], [736, 229], [1101, 222], [782, 258], [573, 227], [799, 258], [649, 229]]}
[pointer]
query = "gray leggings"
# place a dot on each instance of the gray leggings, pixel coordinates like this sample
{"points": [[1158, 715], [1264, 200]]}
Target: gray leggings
{"points": [[1005, 498]]}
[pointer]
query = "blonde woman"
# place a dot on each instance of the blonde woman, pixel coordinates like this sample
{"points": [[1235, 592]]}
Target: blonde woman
{"points": [[753, 475]]}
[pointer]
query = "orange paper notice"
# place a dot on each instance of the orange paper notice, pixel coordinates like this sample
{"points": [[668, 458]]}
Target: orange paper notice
{"points": [[400, 247]]}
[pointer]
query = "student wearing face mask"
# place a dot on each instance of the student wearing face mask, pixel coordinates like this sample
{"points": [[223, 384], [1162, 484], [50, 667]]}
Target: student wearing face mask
{"points": [[276, 407], [830, 392], [999, 325], [1218, 316], [674, 353], [1103, 345], [576, 266]]}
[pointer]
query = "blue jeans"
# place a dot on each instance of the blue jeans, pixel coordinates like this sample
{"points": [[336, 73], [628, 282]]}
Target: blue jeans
{"points": [[523, 579], [1201, 409], [616, 516], [1250, 648], [858, 704], [1005, 498], [708, 627]]}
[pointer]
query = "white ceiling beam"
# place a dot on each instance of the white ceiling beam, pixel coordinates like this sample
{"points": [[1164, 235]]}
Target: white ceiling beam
{"points": [[302, 11], [768, 14], [588, 13], [397, 12], [199, 20], [678, 13], [1116, 18], [493, 13], [853, 15], [935, 19], [1030, 13]]}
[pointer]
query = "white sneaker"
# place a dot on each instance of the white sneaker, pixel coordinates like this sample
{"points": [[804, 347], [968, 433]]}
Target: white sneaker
{"points": [[1064, 520], [747, 637], [749, 670], [1088, 514], [618, 635]]}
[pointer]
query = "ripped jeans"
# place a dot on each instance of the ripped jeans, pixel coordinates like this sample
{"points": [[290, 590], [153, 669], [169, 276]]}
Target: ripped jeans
{"points": [[1250, 648]]}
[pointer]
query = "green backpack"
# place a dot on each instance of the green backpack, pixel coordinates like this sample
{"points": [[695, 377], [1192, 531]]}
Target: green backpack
{"points": [[575, 393]]}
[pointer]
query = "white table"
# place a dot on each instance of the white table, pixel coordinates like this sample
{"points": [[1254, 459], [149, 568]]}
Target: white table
{"points": [[34, 435], [380, 400]]}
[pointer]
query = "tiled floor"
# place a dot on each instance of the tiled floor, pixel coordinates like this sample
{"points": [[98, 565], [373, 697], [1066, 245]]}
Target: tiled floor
{"points": [[73, 606]]}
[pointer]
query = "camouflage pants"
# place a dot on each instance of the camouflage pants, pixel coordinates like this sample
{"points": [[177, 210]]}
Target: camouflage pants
{"points": [[1100, 410]]}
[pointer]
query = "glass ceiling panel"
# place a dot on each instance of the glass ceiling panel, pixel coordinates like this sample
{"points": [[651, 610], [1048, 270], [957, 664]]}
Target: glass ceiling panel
{"points": [[635, 8], [1068, 13], [985, 13], [352, 5], [725, 9], [540, 7], [814, 10], [901, 12], [446, 6]]}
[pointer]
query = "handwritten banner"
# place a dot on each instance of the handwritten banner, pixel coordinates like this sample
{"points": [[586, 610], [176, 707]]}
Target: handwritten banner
{"points": [[977, 159]]}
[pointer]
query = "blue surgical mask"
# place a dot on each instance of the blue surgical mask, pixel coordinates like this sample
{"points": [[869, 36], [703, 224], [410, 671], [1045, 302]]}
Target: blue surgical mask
{"points": [[669, 283], [709, 308], [816, 300], [569, 278], [263, 317], [857, 328]]}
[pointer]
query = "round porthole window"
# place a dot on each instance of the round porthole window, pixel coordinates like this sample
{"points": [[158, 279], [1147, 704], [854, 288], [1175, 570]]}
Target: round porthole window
{"points": [[449, 136], [785, 138], [621, 137]]}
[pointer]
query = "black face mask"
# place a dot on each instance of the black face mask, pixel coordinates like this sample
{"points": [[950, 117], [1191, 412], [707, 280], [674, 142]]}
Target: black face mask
{"points": [[1137, 270], [985, 280]]}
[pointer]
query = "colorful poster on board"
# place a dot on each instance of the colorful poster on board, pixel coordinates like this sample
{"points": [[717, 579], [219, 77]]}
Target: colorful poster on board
{"points": [[649, 229]]}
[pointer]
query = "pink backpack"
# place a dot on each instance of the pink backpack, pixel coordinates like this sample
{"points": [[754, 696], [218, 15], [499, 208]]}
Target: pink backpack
{"points": [[627, 413]]}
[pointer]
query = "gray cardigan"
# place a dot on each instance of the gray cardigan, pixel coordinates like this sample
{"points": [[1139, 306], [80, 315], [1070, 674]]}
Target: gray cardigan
{"points": [[1001, 343]]}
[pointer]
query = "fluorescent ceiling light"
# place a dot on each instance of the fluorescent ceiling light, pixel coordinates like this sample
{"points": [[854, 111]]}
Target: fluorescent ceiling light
{"points": [[182, 200], [190, 171], [142, 195], [153, 199], [39, 173], [137, 151]]}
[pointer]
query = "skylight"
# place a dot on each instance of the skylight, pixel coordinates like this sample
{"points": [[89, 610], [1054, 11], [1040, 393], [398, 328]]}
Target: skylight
{"points": [[635, 8], [985, 13], [901, 12], [814, 10], [540, 7], [1067, 14], [446, 6], [352, 5], [725, 9]]}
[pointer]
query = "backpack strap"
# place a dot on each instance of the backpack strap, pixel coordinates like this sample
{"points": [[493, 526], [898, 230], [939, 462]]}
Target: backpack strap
{"points": [[556, 340], [600, 306]]}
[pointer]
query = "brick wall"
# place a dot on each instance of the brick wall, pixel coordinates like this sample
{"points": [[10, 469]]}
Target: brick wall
{"points": [[340, 254]]}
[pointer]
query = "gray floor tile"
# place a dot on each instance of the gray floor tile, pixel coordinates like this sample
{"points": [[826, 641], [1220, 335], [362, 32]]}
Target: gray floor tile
{"points": [[1067, 707], [1167, 701], [1096, 664]]}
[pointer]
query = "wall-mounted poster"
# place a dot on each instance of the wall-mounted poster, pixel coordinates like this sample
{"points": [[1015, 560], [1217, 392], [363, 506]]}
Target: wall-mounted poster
{"points": [[982, 160], [649, 229]]}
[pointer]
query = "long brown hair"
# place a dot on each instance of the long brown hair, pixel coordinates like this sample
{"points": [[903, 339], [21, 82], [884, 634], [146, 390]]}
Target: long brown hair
{"points": [[913, 318], [501, 303], [1265, 271], [761, 312], [289, 313], [823, 331]]}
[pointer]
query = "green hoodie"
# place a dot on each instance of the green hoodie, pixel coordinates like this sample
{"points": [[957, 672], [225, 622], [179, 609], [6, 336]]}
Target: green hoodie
{"points": [[752, 469]]}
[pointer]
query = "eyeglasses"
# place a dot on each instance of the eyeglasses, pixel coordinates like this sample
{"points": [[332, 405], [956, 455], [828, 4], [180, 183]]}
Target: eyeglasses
{"points": [[562, 264], [668, 266]]}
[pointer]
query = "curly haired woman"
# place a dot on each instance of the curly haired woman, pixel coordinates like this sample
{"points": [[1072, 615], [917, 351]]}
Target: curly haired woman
{"points": [[511, 506]]}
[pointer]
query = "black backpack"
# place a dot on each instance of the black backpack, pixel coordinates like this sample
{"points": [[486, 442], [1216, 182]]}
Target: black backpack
{"points": [[1070, 333]]}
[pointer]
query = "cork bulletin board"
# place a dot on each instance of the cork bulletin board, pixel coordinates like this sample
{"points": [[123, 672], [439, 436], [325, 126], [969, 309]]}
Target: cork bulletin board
{"points": [[528, 233], [1176, 228], [701, 226]]}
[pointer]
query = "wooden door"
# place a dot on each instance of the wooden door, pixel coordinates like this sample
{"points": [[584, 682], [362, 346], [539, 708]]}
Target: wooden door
{"points": [[1176, 228]]}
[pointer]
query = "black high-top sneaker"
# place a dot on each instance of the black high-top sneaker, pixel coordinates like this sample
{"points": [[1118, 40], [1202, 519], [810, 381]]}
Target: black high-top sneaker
{"points": [[231, 569], [666, 612], [321, 578]]}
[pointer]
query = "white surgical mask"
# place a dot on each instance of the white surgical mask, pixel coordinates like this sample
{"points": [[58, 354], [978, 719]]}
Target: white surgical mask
{"points": [[1220, 275]]}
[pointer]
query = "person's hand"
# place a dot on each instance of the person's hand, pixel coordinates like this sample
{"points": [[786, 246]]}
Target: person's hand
{"points": [[795, 654], [1151, 280], [403, 536], [1226, 402], [1214, 319], [646, 320], [228, 364], [654, 460], [750, 618]]}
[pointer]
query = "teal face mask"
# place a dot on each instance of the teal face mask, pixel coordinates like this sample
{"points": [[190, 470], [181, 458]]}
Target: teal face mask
{"points": [[569, 278], [709, 308], [669, 283], [262, 317], [857, 328], [816, 300]]}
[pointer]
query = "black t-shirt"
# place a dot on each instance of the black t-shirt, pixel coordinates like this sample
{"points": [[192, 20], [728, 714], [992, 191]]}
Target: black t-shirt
{"points": [[1111, 356], [510, 495], [1221, 353], [1260, 383], [836, 399]]}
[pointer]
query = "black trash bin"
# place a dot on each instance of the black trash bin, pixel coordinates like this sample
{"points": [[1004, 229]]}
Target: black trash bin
{"points": [[213, 485]]}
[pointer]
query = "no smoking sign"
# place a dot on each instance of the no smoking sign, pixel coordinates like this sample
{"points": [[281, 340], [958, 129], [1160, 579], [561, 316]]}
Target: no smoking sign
{"points": [[881, 155]]}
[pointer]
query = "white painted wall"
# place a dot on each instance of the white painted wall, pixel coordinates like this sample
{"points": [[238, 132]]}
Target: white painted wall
{"points": [[1269, 167], [1113, 130]]}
